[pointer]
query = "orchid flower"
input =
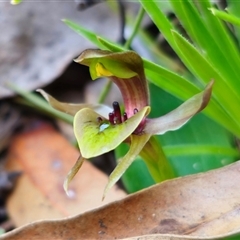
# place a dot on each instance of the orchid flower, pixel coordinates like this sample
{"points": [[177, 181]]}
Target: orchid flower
{"points": [[98, 133]]}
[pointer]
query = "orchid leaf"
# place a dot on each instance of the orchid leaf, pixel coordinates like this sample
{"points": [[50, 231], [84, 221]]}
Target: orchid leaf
{"points": [[137, 143], [225, 16], [72, 173], [200, 33], [196, 62], [96, 138], [82, 31], [179, 116], [233, 8], [72, 108]]}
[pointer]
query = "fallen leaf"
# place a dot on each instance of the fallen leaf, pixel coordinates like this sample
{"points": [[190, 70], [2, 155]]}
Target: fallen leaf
{"points": [[44, 157], [201, 206], [36, 49]]}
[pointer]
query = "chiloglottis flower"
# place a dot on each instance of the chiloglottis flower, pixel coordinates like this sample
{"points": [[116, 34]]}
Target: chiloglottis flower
{"points": [[98, 133]]}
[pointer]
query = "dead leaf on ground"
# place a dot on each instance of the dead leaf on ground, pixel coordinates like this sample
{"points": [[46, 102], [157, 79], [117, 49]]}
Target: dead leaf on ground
{"points": [[45, 158], [37, 46], [202, 206]]}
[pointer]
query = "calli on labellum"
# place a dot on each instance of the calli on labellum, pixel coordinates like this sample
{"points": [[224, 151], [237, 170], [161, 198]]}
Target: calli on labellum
{"points": [[98, 133]]}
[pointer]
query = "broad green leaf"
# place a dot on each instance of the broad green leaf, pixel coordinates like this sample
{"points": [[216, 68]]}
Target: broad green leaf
{"points": [[219, 31], [221, 92], [234, 8], [82, 31], [160, 19], [195, 26], [96, 138], [200, 149]]}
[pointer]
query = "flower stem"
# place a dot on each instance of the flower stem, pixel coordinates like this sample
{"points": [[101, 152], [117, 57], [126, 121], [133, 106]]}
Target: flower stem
{"points": [[135, 28]]}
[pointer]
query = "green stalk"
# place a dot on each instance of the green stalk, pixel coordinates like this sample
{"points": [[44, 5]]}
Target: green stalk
{"points": [[135, 27]]}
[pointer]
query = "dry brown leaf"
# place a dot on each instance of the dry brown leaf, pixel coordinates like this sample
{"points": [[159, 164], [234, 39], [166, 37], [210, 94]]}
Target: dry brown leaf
{"points": [[37, 46], [45, 158], [202, 206]]}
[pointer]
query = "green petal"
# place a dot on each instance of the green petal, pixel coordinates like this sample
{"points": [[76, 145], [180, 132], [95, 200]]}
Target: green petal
{"points": [[72, 173], [137, 144], [181, 115], [96, 138], [71, 108]]}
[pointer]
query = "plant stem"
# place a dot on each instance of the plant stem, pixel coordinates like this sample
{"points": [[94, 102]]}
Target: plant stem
{"points": [[135, 28]]}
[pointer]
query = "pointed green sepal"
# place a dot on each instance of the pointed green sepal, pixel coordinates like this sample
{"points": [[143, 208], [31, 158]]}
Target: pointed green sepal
{"points": [[181, 115], [72, 108], [137, 143], [98, 137], [72, 173]]}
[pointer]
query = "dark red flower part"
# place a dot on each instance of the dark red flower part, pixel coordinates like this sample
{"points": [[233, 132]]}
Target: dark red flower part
{"points": [[99, 119], [111, 117], [125, 117], [117, 113], [135, 110]]}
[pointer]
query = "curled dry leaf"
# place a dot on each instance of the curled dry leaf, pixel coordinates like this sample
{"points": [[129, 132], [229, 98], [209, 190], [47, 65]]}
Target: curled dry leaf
{"points": [[202, 206], [45, 157]]}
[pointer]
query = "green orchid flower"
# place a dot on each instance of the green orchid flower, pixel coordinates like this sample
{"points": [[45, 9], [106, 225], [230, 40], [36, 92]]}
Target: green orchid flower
{"points": [[98, 132]]}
